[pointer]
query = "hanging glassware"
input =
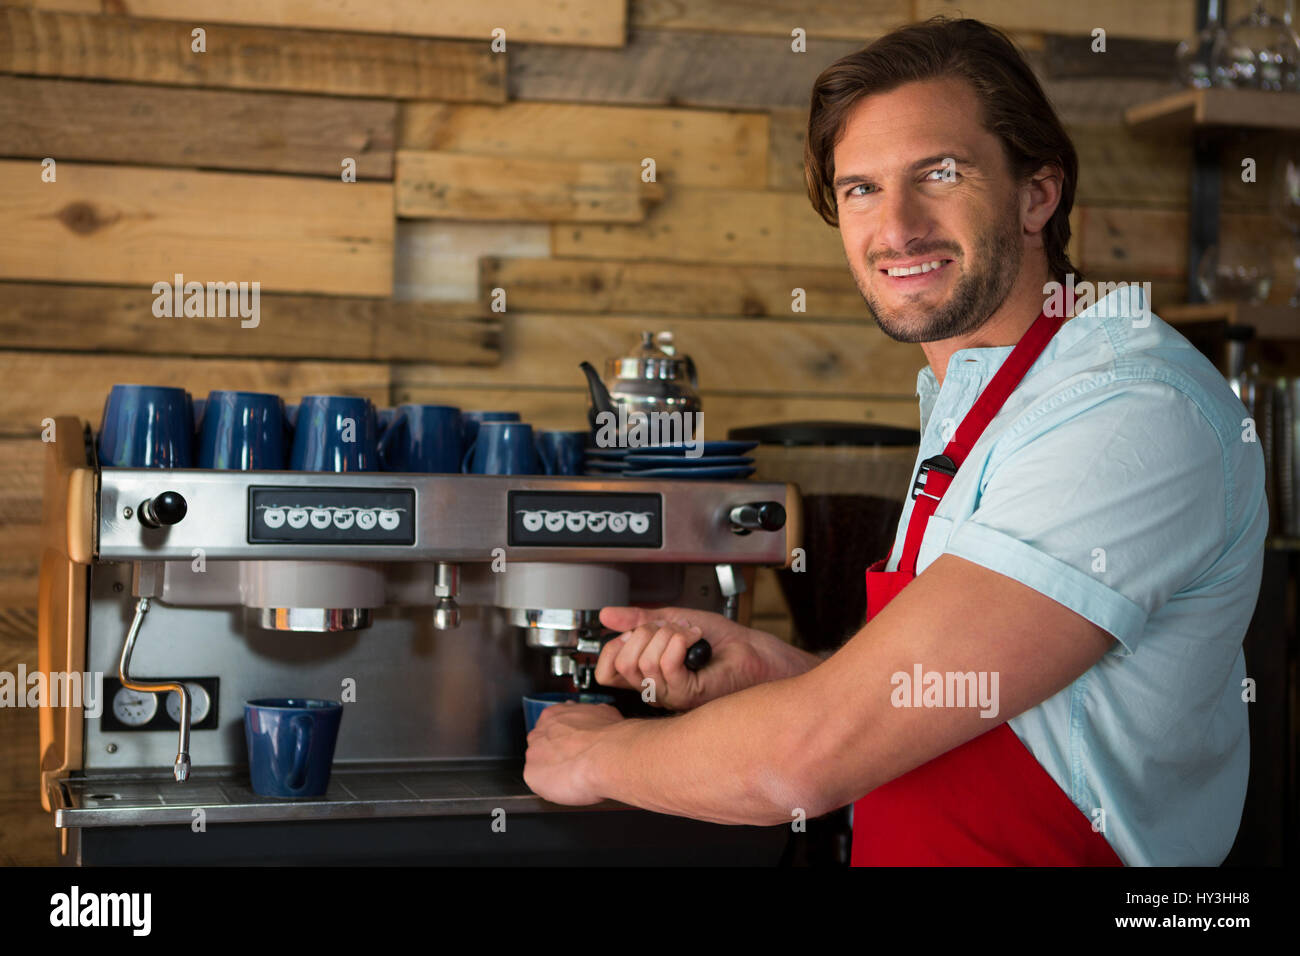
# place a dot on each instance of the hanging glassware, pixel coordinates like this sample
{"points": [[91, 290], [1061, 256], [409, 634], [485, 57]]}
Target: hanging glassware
{"points": [[1258, 52], [1196, 56]]}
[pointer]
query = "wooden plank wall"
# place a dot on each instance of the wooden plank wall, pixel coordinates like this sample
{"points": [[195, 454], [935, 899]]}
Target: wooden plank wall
{"points": [[479, 168]]}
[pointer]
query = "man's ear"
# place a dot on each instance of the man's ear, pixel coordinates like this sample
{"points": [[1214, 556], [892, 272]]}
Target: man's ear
{"points": [[1039, 197]]}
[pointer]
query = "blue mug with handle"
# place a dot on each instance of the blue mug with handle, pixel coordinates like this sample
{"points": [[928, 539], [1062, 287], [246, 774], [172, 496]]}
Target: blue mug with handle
{"points": [[534, 704], [422, 438], [244, 431], [335, 433], [470, 421], [502, 448], [291, 744], [562, 453], [147, 426]]}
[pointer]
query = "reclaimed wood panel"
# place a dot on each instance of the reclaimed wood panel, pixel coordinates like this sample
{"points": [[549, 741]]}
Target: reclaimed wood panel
{"points": [[128, 225], [788, 131], [863, 20], [566, 408], [672, 68], [689, 147], [1156, 19], [1151, 244], [504, 189], [27, 833], [438, 259], [759, 356], [714, 225], [577, 22], [22, 474], [65, 383], [214, 129], [1118, 167], [310, 61], [120, 319], [670, 288]]}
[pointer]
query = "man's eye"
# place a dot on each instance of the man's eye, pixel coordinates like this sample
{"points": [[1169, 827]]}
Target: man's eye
{"points": [[853, 189], [942, 174]]}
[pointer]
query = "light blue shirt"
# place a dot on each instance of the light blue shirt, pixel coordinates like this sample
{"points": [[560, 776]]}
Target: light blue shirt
{"points": [[1120, 480]]}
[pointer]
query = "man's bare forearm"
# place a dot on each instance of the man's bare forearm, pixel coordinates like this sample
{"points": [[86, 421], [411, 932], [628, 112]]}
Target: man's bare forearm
{"points": [[786, 660]]}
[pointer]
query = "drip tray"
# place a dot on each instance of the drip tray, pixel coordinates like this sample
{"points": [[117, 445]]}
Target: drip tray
{"points": [[442, 788]]}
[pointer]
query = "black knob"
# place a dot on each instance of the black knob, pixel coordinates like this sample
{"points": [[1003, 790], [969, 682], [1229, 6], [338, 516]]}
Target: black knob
{"points": [[167, 508], [758, 516], [698, 654]]}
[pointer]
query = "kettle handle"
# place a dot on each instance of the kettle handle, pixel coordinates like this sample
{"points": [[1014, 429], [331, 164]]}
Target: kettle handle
{"points": [[690, 371]]}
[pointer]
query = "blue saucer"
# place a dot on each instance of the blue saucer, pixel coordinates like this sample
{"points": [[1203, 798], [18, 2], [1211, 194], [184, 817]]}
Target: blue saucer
{"points": [[720, 472], [677, 461]]}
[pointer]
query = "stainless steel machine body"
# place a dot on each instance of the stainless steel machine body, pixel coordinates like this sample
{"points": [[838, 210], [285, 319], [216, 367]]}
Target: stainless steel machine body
{"points": [[428, 604]]}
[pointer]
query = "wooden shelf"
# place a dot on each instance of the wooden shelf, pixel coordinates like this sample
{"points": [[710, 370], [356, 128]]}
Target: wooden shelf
{"points": [[1180, 112], [1269, 321]]}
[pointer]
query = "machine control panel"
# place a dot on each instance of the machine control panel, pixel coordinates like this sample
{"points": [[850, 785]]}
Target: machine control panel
{"points": [[305, 515], [589, 519]]}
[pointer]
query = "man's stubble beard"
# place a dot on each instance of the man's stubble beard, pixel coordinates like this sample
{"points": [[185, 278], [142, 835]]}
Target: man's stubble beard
{"points": [[977, 295]]}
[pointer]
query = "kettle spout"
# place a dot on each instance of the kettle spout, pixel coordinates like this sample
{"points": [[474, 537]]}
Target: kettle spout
{"points": [[600, 397]]}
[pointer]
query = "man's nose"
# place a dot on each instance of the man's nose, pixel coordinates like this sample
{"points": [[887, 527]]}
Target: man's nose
{"points": [[903, 221]]}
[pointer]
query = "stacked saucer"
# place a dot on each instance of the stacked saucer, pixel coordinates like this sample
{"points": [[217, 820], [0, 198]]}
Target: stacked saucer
{"points": [[717, 460]]}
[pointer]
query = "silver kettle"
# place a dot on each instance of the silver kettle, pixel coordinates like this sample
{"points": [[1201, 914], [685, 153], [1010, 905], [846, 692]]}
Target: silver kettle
{"points": [[652, 378]]}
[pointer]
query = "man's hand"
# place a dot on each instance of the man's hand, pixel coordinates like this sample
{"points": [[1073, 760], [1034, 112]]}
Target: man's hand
{"points": [[654, 647], [554, 766]]}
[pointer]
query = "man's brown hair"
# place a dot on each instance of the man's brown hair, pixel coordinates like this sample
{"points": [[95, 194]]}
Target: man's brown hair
{"points": [[1015, 109]]}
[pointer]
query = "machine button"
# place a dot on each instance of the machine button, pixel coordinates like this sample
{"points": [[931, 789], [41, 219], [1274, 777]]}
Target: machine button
{"points": [[366, 519], [532, 521], [639, 523], [617, 522], [596, 521], [320, 518], [273, 517], [297, 517], [388, 519], [576, 521], [343, 518], [554, 520]]}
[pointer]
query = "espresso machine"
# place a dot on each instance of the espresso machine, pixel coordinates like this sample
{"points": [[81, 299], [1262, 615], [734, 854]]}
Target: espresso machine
{"points": [[428, 604]]}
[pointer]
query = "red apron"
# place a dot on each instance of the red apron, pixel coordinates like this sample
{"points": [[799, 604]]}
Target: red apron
{"points": [[987, 802]]}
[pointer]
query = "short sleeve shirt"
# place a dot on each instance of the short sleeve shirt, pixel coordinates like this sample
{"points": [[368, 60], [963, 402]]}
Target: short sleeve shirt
{"points": [[1123, 480]]}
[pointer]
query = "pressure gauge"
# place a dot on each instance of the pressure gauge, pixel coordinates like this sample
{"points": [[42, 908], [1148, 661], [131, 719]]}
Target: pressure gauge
{"points": [[199, 703], [134, 708]]}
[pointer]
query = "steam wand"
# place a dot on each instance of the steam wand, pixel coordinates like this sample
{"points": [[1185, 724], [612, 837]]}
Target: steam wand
{"points": [[182, 768]]}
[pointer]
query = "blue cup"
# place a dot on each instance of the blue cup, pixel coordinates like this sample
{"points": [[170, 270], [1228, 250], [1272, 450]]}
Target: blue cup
{"points": [[422, 438], [335, 433], [244, 431], [291, 744], [147, 426], [502, 448], [385, 418], [470, 421], [534, 704], [562, 453]]}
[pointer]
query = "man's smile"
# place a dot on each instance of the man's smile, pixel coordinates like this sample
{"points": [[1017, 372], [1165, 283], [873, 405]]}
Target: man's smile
{"points": [[914, 273]]}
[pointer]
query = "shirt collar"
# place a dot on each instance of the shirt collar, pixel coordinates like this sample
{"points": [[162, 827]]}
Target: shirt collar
{"points": [[1114, 311]]}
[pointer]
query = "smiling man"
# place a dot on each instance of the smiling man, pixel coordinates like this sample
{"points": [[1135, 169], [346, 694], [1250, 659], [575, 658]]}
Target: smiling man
{"points": [[1051, 668]]}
